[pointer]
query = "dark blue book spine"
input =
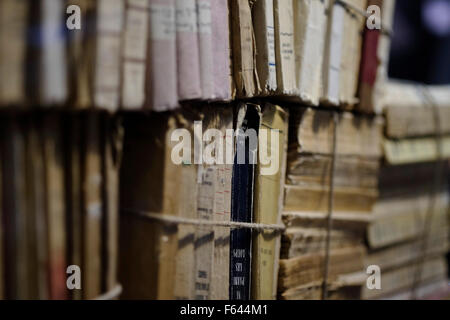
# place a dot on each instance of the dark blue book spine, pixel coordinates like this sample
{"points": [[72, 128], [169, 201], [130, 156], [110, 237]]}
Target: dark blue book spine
{"points": [[242, 211]]}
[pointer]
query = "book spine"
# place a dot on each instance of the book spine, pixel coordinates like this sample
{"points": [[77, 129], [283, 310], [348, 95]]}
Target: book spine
{"points": [[243, 45], [268, 192], [54, 70], [310, 31], [162, 94], [264, 26], [188, 56], [134, 56], [13, 30], [110, 14], [369, 65], [351, 58], [54, 177], [242, 201], [221, 50], [284, 39], [205, 48], [333, 54], [92, 208], [222, 211]]}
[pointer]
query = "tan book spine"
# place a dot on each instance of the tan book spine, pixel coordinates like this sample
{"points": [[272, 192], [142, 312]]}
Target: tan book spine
{"points": [[243, 45], [13, 44], [222, 210], [92, 207], [134, 55], [285, 47], [111, 147], [264, 27], [56, 213], [354, 24], [268, 192]]}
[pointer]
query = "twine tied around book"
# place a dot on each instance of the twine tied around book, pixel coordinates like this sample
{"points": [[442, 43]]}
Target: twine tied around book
{"points": [[329, 220], [112, 294], [176, 220], [349, 6], [429, 101]]}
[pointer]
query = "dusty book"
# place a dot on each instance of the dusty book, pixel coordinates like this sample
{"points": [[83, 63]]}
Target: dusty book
{"points": [[242, 201], [94, 55], [13, 41], [205, 43], [244, 52], [264, 26], [269, 191], [310, 21], [134, 53], [222, 69], [188, 50], [284, 47], [162, 92]]}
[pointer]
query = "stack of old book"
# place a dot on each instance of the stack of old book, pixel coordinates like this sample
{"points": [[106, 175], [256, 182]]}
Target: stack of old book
{"points": [[317, 140], [58, 206], [408, 239], [177, 205]]}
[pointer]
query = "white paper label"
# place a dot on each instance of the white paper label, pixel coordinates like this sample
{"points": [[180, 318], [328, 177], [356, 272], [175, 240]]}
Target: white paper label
{"points": [[204, 16], [186, 15], [162, 22]]}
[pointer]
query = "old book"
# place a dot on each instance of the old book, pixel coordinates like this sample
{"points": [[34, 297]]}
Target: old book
{"points": [[246, 148], [244, 51], [403, 278], [369, 64], [134, 54], [46, 82], [92, 206], [148, 260], [305, 269], [13, 31], [15, 210], [310, 29], [334, 46], [162, 93], [188, 55], [54, 195], [312, 132], [352, 38], [264, 26], [269, 187], [313, 291], [410, 252], [111, 140], [222, 69], [220, 280], [401, 219], [95, 54], [205, 44], [408, 112], [383, 52], [284, 47], [73, 177], [416, 150]]}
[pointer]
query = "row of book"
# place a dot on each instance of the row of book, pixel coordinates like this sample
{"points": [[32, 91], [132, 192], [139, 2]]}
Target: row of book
{"points": [[58, 206], [152, 54]]}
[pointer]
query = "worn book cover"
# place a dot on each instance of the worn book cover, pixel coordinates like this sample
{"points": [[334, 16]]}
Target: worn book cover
{"points": [[134, 54], [269, 191], [13, 43], [205, 43], [264, 26], [246, 147], [284, 47], [188, 56], [162, 88]]}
